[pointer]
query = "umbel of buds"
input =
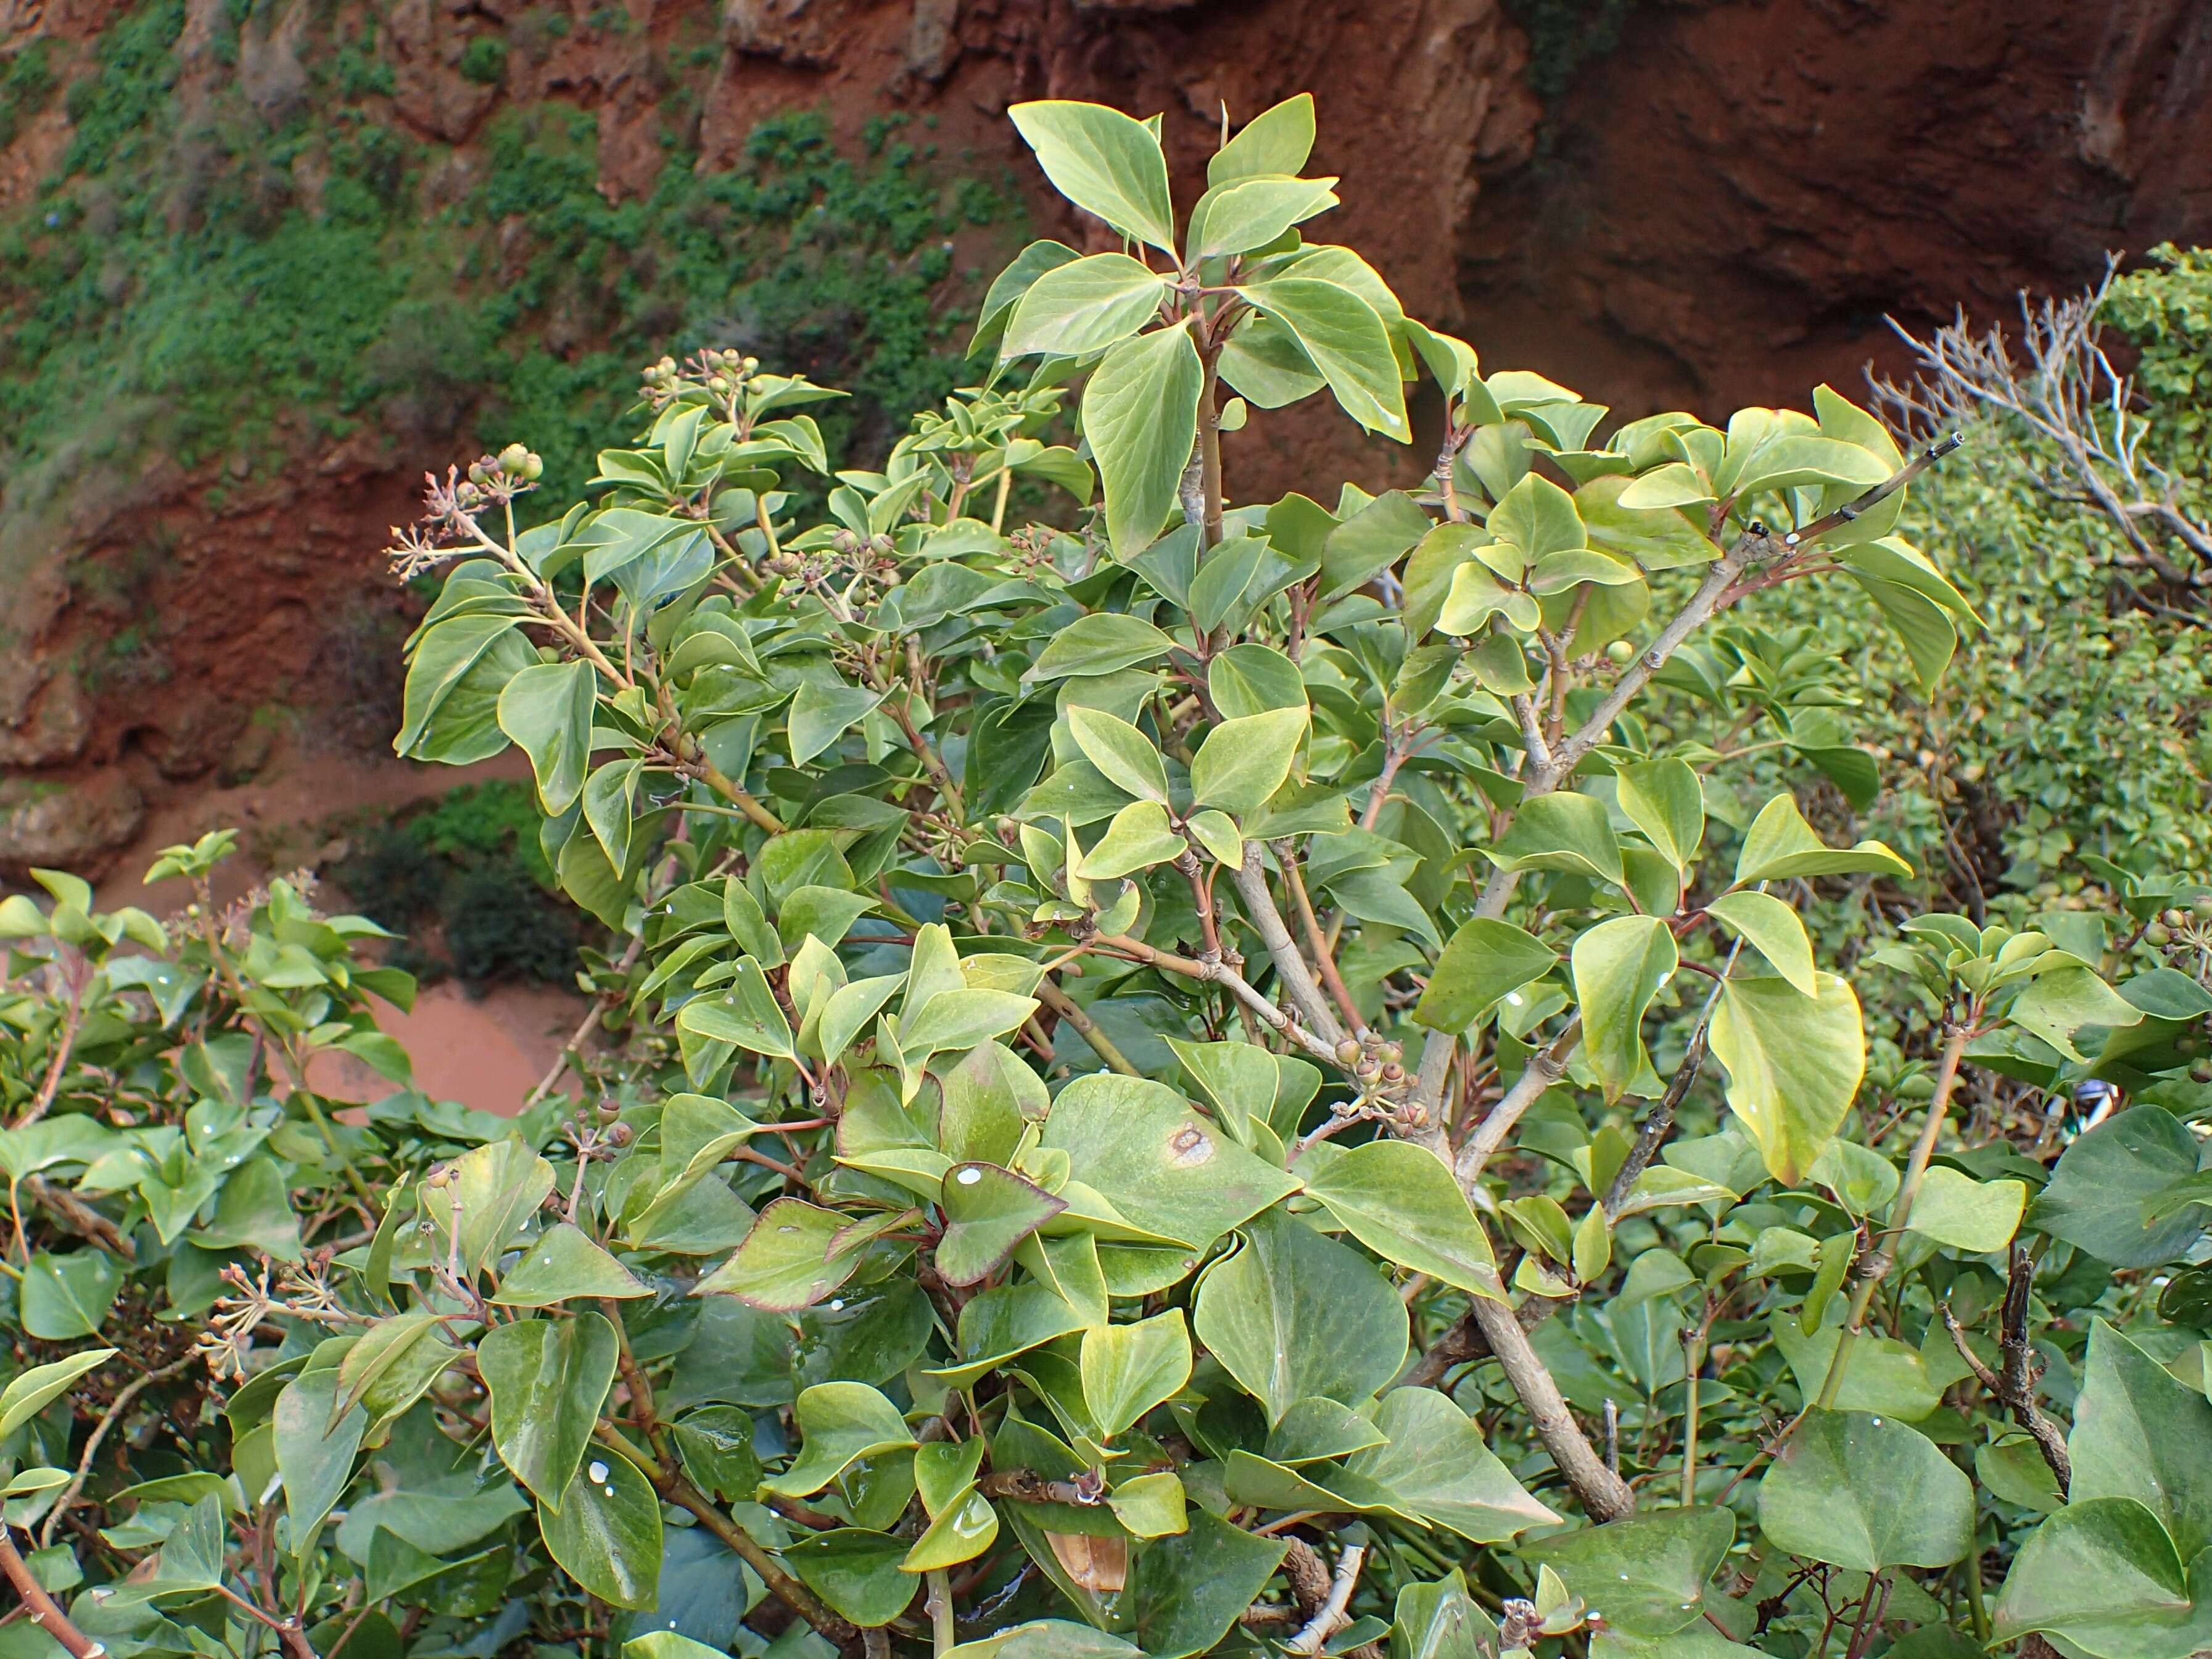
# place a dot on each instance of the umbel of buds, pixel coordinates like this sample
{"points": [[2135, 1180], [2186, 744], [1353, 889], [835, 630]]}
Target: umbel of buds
{"points": [[721, 370]]}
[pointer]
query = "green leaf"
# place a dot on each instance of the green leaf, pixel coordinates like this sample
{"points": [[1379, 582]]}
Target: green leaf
{"points": [[1106, 163], [1369, 543], [1538, 518], [2095, 1198], [1486, 961], [1780, 844], [314, 1449], [1277, 140], [1883, 1376], [606, 1533], [1648, 1574], [1619, 967], [1293, 1314], [1773, 930], [1867, 1493], [1140, 416], [441, 658], [2140, 1433], [497, 1188], [820, 714], [1346, 341], [2058, 1004], [31, 1392], [1401, 1201], [1164, 1171], [1561, 831], [1138, 838], [1129, 1369], [1664, 800], [1794, 1063], [2103, 1576], [547, 710], [1789, 463], [63, 1297], [1435, 1465], [840, 1423], [547, 1379], [1251, 212], [856, 1570], [1185, 1592], [746, 1013], [1123, 753], [1009, 285], [795, 1254], [1244, 761], [1084, 306], [1977, 1216], [1441, 1621], [1103, 643], [988, 1210]]}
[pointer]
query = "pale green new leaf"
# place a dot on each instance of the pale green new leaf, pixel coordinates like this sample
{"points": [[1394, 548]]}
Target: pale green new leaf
{"points": [[840, 1423], [1619, 967], [1794, 1063], [1127, 1370], [1773, 928], [1125, 755], [1105, 162], [1084, 306], [1346, 341], [1401, 1201], [1140, 416], [1780, 844]]}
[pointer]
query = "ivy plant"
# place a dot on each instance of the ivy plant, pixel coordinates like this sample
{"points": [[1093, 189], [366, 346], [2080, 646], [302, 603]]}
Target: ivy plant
{"points": [[1193, 1075]]}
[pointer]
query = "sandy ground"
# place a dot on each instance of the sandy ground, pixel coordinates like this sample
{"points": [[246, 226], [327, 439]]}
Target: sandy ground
{"points": [[488, 1053]]}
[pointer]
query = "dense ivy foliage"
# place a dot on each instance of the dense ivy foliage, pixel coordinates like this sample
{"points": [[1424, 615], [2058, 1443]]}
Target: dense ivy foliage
{"points": [[1282, 1076]]}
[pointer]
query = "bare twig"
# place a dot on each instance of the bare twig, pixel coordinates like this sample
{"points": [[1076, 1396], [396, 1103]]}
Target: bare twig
{"points": [[2059, 382], [108, 1420], [2014, 1387]]}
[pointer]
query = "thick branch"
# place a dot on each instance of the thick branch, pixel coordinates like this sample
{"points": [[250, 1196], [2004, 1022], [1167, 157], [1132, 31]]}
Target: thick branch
{"points": [[1289, 967], [45, 1612], [1604, 1494], [1544, 1069], [1331, 1616]]}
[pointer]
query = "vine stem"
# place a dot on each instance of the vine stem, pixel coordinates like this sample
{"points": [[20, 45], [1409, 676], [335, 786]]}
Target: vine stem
{"points": [[1874, 1267], [939, 1606], [1064, 1006]]}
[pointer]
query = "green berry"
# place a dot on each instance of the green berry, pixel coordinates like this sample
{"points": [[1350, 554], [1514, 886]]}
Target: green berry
{"points": [[1620, 651], [2157, 933]]}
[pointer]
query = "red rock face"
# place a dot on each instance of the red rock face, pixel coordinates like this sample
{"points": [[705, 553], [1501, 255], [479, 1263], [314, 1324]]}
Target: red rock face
{"points": [[1730, 202], [1720, 211]]}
